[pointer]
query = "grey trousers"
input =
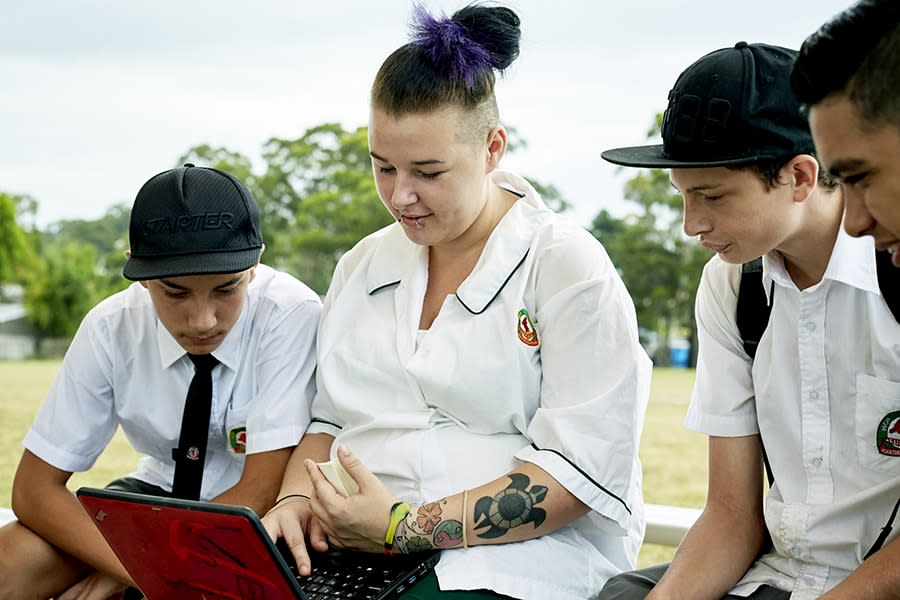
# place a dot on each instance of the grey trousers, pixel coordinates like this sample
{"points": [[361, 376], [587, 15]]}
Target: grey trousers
{"points": [[635, 585]]}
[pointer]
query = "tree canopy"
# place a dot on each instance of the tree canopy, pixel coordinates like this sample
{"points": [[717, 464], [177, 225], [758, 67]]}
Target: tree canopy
{"points": [[317, 198]]}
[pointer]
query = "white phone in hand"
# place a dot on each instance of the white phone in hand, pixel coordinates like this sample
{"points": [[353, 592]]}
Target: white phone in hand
{"points": [[338, 476]]}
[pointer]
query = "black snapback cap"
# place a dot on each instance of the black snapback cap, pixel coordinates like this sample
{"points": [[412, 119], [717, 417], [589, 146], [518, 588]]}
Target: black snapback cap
{"points": [[192, 221], [732, 107]]}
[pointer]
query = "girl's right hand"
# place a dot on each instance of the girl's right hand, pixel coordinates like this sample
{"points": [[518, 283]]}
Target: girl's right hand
{"points": [[293, 521]]}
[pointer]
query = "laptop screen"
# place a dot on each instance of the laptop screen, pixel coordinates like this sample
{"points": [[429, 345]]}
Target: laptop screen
{"points": [[185, 549]]}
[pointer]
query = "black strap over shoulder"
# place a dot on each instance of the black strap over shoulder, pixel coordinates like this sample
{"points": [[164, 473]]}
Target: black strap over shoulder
{"points": [[889, 282], [753, 308], [752, 317]]}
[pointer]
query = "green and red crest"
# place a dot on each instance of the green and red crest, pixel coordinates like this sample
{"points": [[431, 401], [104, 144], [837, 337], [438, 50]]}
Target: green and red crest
{"points": [[888, 436]]}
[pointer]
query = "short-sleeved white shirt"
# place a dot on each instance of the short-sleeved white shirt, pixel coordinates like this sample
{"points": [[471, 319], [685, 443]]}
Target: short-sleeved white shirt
{"points": [[480, 393], [823, 386], [124, 368]]}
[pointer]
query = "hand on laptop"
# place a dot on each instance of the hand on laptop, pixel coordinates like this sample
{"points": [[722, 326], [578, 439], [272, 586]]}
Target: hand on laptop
{"points": [[357, 522], [295, 523]]}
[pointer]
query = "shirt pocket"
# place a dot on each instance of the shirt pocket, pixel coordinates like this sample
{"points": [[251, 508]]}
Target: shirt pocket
{"points": [[878, 423]]}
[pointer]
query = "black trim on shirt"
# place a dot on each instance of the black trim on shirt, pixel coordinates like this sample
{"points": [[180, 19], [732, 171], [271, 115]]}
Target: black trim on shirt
{"points": [[585, 475], [315, 420], [381, 287], [500, 289]]}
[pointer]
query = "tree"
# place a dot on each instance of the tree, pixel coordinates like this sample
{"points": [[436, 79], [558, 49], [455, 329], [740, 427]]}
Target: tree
{"points": [[659, 265], [323, 198], [62, 288], [16, 254], [108, 236]]}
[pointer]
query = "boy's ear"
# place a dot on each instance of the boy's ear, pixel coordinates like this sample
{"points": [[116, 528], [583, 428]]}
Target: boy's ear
{"points": [[803, 171]]}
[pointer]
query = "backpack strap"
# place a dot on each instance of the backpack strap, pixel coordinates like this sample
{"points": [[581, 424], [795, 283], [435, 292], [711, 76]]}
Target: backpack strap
{"points": [[753, 308], [889, 282], [752, 318]]}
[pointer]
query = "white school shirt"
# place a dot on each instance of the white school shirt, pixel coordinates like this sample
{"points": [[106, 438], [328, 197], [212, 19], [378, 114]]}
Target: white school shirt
{"points": [[825, 383], [124, 368], [535, 358]]}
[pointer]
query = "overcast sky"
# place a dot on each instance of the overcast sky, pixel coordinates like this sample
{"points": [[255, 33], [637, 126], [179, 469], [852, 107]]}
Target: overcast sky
{"points": [[97, 96]]}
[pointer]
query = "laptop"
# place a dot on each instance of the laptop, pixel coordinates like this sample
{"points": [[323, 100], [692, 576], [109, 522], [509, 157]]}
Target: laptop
{"points": [[185, 550]]}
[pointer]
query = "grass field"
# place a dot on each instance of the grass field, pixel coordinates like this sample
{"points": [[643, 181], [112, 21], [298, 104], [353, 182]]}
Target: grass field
{"points": [[674, 458]]}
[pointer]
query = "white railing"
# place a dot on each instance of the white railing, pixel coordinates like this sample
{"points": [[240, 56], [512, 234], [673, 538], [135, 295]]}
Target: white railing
{"points": [[6, 515], [666, 525]]}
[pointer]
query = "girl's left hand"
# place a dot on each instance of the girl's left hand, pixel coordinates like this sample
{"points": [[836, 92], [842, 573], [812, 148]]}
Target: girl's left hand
{"points": [[360, 521]]}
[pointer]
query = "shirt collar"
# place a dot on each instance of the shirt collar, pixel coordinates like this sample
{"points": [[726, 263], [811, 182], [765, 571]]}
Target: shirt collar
{"points": [[506, 248], [852, 262], [507, 245]]}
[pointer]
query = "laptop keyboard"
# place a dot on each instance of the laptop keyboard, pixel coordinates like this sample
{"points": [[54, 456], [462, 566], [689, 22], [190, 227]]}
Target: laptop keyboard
{"points": [[355, 582]]}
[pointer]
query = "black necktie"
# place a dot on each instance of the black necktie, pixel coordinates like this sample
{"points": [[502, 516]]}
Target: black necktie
{"points": [[191, 451]]}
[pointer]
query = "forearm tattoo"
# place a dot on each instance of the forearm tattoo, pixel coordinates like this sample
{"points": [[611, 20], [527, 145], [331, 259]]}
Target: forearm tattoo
{"points": [[513, 506], [427, 528]]}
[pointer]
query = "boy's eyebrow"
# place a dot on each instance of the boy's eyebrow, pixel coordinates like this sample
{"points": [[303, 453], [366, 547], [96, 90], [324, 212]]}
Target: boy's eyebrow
{"points": [[431, 161], [172, 284], [839, 167], [175, 286], [231, 282], [697, 188]]}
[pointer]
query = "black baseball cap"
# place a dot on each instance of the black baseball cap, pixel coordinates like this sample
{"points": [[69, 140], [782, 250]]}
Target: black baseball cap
{"points": [[733, 107], [192, 221]]}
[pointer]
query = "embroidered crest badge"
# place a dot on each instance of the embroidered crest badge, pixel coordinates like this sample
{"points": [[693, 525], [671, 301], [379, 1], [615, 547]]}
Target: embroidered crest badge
{"points": [[237, 437], [193, 453], [888, 435], [527, 333]]}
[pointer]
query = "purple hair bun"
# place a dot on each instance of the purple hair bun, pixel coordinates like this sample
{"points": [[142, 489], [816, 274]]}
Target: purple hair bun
{"points": [[447, 45]]}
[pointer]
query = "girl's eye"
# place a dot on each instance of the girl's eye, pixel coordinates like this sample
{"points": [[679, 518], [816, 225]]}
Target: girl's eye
{"points": [[175, 295], [386, 169], [228, 292], [430, 175]]}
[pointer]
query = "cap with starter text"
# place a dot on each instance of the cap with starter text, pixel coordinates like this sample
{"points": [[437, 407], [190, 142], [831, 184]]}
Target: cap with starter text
{"points": [[733, 107], [192, 221]]}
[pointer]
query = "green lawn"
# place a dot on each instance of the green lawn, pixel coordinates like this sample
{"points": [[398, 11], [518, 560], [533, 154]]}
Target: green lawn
{"points": [[674, 458]]}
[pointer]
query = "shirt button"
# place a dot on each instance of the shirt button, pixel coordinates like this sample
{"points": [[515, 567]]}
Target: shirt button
{"points": [[810, 326], [816, 462], [795, 551], [809, 581], [814, 394]]}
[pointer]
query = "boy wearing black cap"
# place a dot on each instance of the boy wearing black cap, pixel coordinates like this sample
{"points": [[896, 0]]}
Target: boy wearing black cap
{"points": [[848, 72], [819, 396], [206, 362]]}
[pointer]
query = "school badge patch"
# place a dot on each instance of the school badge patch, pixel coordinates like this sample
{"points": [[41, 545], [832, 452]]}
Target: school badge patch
{"points": [[527, 333], [237, 437], [889, 434]]}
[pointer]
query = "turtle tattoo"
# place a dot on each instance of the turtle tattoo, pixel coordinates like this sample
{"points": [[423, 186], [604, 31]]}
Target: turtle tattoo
{"points": [[510, 508]]}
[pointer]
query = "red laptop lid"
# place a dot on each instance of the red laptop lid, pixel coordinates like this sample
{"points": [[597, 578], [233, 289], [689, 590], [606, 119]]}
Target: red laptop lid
{"points": [[186, 550]]}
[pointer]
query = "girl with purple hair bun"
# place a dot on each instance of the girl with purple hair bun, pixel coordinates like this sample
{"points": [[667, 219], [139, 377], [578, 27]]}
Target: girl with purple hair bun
{"points": [[479, 356]]}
